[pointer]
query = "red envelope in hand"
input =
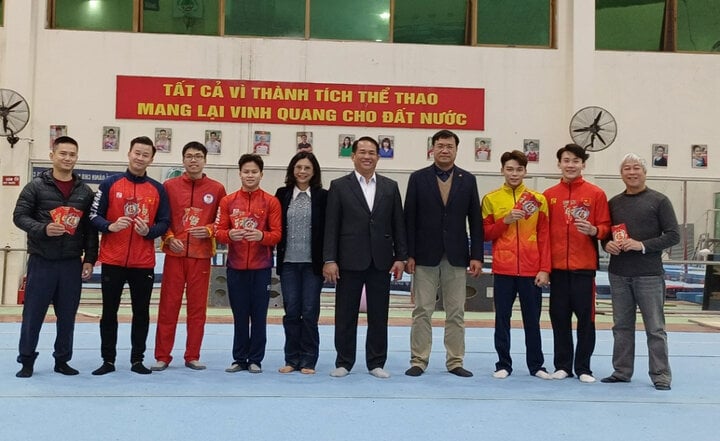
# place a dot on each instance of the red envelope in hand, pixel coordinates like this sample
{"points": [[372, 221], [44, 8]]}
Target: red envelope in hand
{"points": [[191, 218], [528, 203], [69, 217]]}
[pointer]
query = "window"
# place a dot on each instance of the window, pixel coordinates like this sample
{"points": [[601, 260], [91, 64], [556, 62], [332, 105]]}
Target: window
{"points": [[514, 23], [98, 15], [367, 20], [265, 18], [430, 21], [639, 25], [198, 17]]}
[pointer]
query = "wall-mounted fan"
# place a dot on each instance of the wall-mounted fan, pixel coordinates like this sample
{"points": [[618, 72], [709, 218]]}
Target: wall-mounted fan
{"points": [[593, 128], [15, 113]]}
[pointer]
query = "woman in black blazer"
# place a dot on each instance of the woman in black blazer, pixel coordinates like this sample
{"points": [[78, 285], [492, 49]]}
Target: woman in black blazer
{"points": [[300, 260]]}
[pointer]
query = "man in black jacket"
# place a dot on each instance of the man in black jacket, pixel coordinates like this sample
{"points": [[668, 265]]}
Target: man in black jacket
{"points": [[442, 211], [63, 246]]}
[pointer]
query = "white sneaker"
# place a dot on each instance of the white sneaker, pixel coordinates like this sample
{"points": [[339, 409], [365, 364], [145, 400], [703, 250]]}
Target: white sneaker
{"points": [[339, 372], [380, 373], [195, 365], [254, 369], [159, 366], [560, 374], [543, 375], [587, 378], [501, 374]]}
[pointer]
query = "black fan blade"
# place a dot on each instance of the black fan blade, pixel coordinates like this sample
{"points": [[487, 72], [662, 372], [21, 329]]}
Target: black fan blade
{"points": [[5, 124], [601, 138], [12, 106], [597, 118], [584, 129]]}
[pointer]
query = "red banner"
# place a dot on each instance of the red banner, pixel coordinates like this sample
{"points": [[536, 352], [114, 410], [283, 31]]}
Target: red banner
{"points": [[275, 102]]}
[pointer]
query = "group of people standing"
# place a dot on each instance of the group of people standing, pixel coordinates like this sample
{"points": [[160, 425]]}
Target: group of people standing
{"points": [[357, 235]]}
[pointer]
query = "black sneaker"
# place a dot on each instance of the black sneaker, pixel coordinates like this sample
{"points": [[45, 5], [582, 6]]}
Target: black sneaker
{"points": [[106, 368], [461, 372], [414, 371], [62, 367], [140, 368], [613, 379]]}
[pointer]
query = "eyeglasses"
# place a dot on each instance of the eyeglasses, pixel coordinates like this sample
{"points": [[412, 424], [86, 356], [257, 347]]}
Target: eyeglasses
{"points": [[197, 157], [444, 146]]}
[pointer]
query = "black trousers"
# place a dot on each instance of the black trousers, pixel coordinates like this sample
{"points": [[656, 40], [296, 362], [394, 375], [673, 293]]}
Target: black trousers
{"points": [[347, 307], [573, 292], [140, 281]]}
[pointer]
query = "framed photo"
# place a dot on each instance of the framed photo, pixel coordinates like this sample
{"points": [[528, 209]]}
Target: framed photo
{"points": [[57, 131], [531, 148], [660, 155], [304, 141], [111, 138], [699, 157], [261, 142], [430, 154], [387, 146], [163, 139], [345, 145], [213, 142], [483, 149]]}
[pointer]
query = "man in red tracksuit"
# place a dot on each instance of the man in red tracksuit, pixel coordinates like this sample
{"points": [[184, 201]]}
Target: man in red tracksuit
{"points": [[579, 217], [189, 244], [130, 210], [250, 222]]}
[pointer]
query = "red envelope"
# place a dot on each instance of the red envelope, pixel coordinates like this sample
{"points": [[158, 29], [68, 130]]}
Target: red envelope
{"points": [[619, 232], [69, 217], [191, 218], [528, 203]]}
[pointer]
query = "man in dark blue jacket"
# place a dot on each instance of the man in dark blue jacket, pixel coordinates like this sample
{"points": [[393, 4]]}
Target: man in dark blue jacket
{"points": [[441, 201], [63, 246]]}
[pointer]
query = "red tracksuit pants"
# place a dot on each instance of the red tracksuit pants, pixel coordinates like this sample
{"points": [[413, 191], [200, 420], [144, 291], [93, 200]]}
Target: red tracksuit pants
{"points": [[192, 276]]}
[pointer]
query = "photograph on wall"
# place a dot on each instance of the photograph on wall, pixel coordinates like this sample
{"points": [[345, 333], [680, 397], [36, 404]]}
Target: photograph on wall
{"points": [[304, 141], [430, 155], [345, 145], [660, 155], [387, 146], [163, 139], [482, 149], [213, 142], [111, 138], [261, 142], [699, 155], [531, 148], [57, 131]]}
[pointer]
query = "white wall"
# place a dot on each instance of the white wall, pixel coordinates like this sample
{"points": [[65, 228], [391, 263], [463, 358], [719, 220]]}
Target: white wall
{"points": [[69, 78]]}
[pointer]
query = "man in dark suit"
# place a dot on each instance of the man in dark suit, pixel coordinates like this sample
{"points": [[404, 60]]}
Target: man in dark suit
{"points": [[441, 201], [364, 241]]}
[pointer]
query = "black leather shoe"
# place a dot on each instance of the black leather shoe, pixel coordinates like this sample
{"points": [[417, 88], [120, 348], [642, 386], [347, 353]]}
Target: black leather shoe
{"points": [[662, 386], [26, 371], [414, 371], [106, 368], [613, 379], [140, 368], [461, 372], [62, 367]]}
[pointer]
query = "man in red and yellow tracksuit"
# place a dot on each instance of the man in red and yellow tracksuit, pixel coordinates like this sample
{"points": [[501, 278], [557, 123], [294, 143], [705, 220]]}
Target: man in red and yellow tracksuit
{"points": [[189, 244], [250, 222], [579, 217], [515, 220], [130, 210]]}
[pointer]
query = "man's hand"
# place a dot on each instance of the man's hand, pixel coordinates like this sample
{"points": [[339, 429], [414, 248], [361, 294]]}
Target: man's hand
{"points": [[514, 216], [199, 232], [631, 245], [475, 268], [397, 269], [175, 245], [120, 224], [141, 227], [542, 279], [331, 272], [86, 271], [410, 265], [585, 227], [613, 247], [54, 229]]}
